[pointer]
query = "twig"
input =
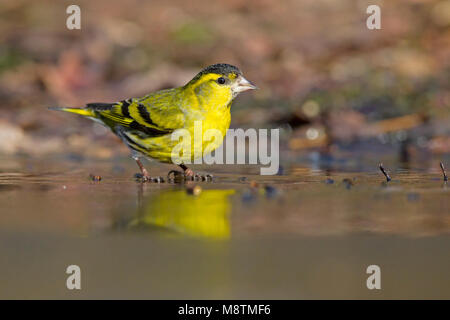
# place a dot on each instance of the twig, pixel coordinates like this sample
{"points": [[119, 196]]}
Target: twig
{"points": [[443, 171], [388, 178]]}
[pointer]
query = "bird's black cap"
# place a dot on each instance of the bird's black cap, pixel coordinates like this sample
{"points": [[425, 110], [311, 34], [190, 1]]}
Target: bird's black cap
{"points": [[219, 68]]}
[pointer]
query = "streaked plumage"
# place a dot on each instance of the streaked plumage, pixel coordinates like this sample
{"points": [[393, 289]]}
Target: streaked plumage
{"points": [[146, 124]]}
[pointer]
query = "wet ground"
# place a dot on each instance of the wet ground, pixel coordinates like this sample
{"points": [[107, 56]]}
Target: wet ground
{"points": [[309, 233]]}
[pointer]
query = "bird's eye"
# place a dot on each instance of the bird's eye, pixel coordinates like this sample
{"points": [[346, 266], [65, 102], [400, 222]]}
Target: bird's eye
{"points": [[221, 80]]}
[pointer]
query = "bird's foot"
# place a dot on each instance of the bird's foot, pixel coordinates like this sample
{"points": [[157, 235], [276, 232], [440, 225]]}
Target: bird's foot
{"points": [[146, 178], [187, 175], [175, 176], [201, 177]]}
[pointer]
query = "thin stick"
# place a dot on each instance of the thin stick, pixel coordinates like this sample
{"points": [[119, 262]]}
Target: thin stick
{"points": [[388, 178], [443, 171]]}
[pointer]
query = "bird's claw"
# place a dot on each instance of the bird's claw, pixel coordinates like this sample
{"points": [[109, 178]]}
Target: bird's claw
{"points": [[203, 177], [142, 178], [179, 176], [157, 179], [175, 176]]}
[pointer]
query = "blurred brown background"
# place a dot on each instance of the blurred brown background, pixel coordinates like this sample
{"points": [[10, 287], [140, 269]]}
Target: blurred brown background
{"points": [[344, 96], [325, 78]]}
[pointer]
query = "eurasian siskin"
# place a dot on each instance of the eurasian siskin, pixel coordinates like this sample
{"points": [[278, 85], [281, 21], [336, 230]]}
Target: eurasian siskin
{"points": [[146, 124]]}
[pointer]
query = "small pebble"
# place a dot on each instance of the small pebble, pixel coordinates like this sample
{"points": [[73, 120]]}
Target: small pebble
{"points": [[270, 191], [195, 191], [95, 178], [348, 183]]}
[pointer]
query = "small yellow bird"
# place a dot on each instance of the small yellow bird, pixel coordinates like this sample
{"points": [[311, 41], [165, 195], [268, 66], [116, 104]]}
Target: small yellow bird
{"points": [[146, 124]]}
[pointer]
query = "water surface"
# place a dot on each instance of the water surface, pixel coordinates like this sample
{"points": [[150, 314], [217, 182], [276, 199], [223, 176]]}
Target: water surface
{"points": [[309, 233]]}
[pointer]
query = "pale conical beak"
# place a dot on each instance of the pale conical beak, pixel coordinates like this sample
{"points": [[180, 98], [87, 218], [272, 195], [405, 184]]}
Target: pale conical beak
{"points": [[244, 85]]}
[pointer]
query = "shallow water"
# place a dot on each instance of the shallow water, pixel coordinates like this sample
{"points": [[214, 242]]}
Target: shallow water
{"points": [[310, 233]]}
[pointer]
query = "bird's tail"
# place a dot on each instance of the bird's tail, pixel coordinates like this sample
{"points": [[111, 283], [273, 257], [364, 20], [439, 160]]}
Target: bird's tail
{"points": [[81, 111]]}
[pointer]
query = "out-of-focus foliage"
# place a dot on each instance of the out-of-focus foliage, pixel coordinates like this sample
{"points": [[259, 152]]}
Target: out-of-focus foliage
{"points": [[317, 64]]}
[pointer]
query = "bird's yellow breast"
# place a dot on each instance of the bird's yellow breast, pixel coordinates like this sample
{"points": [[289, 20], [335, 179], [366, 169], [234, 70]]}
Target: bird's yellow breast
{"points": [[205, 108], [210, 125]]}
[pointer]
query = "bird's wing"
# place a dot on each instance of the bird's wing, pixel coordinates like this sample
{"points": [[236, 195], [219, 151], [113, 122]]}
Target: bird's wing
{"points": [[156, 114]]}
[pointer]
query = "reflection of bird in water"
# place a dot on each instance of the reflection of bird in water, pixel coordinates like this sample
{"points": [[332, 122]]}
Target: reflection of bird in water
{"points": [[204, 215]]}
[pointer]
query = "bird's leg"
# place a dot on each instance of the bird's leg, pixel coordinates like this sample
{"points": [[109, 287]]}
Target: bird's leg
{"points": [[190, 175], [188, 172], [146, 176], [144, 171]]}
